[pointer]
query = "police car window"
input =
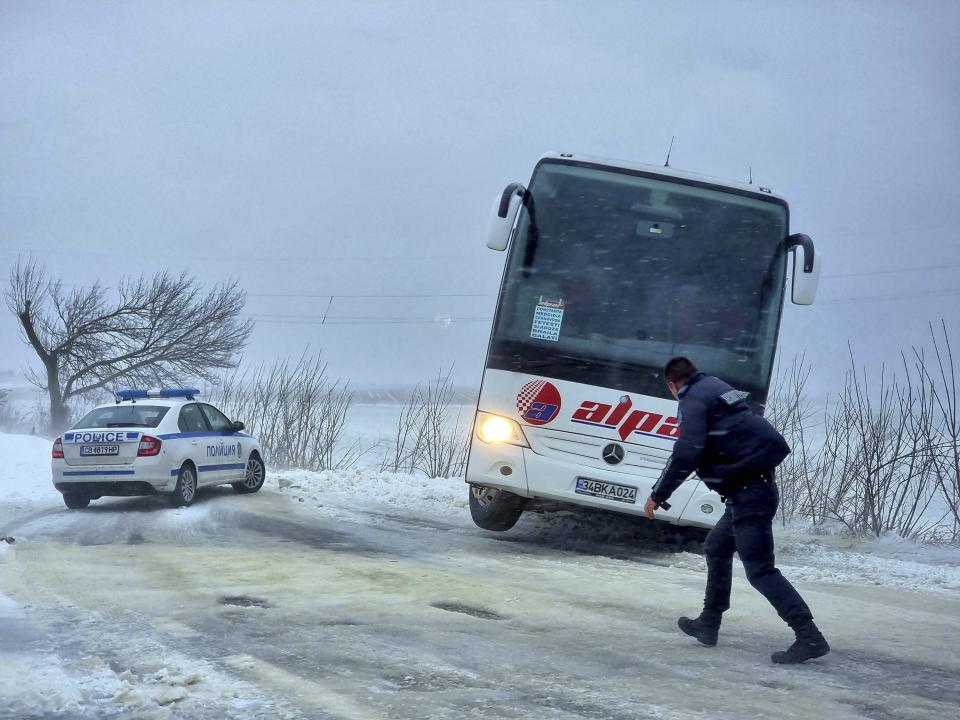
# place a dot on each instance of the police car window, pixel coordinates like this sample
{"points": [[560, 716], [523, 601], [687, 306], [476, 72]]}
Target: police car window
{"points": [[191, 419], [129, 415], [218, 421]]}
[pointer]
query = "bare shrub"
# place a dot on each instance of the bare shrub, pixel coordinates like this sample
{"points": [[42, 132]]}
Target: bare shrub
{"points": [[877, 474], [429, 437], [404, 455], [887, 451], [791, 412], [942, 428], [297, 412]]}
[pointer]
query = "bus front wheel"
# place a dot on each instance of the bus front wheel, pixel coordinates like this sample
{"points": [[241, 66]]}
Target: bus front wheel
{"points": [[493, 509]]}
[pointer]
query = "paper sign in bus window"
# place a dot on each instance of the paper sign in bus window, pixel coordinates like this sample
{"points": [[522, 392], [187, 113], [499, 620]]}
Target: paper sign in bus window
{"points": [[547, 319]]}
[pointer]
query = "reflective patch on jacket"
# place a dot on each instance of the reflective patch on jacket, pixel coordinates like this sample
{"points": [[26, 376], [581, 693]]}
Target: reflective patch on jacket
{"points": [[732, 397]]}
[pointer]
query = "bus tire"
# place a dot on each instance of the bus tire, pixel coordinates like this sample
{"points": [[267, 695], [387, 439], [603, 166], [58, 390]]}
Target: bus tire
{"points": [[494, 509]]}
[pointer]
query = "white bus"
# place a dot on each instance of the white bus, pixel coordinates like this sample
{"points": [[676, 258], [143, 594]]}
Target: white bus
{"points": [[611, 269]]}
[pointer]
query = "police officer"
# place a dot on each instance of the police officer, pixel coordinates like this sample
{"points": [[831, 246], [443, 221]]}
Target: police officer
{"points": [[734, 452]]}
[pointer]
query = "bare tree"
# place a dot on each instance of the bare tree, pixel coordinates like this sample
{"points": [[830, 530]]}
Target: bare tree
{"points": [[157, 331]]}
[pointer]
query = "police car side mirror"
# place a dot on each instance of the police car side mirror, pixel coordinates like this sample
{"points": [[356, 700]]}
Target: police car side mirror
{"points": [[806, 269], [236, 426], [503, 215]]}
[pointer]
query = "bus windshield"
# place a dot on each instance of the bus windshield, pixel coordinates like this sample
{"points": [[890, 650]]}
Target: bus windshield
{"points": [[612, 273]]}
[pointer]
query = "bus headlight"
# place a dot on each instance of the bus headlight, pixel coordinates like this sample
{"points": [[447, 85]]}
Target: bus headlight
{"points": [[497, 429]]}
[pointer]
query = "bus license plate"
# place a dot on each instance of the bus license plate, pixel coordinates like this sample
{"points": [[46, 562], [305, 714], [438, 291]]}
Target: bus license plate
{"points": [[606, 490], [89, 450]]}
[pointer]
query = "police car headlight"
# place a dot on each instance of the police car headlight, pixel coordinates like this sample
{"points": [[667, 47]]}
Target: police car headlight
{"points": [[497, 429]]}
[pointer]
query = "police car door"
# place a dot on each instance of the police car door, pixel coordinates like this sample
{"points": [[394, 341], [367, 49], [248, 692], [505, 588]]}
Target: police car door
{"points": [[224, 449], [193, 444]]}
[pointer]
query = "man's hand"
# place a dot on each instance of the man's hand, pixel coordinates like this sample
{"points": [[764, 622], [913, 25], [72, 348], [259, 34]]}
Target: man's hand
{"points": [[650, 507]]}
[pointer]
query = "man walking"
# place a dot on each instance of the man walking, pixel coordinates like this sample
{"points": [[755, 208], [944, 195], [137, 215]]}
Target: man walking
{"points": [[734, 452]]}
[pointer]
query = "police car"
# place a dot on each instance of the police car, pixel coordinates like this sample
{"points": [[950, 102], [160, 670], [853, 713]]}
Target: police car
{"points": [[157, 442]]}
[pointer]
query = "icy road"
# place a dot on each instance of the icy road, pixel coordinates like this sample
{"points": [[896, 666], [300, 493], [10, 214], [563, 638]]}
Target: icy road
{"points": [[262, 607]]}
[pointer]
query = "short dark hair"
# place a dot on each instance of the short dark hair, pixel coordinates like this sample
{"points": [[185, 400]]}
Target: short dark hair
{"points": [[678, 369]]}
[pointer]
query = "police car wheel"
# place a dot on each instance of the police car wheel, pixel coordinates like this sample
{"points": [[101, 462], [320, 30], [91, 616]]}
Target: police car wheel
{"points": [[493, 509], [186, 489], [256, 474], [76, 501]]}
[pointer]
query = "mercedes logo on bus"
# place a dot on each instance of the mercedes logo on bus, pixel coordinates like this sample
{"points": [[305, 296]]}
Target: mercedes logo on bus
{"points": [[613, 454]]}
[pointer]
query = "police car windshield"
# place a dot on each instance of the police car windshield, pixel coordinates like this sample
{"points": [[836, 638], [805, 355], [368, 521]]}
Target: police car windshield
{"points": [[123, 415], [611, 274]]}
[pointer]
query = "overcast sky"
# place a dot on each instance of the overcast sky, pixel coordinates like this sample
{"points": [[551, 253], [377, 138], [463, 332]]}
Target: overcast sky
{"points": [[315, 149]]}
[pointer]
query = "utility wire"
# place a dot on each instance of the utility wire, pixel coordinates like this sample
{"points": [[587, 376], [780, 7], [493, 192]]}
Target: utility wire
{"points": [[883, 298], [909, 295], [371, 295], [335, 296], [245, 259], [923, 268], [375, 321], [329, 318]]}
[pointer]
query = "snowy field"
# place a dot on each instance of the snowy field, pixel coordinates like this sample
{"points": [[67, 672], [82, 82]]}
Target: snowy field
{"points": [[361, 594]]}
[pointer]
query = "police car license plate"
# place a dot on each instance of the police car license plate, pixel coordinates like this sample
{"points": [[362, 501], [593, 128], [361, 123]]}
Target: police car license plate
{"points": [[88, 450], [606, 490]]}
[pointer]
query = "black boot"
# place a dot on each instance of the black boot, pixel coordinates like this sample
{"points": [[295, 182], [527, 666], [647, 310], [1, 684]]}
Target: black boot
{"points": [[810, 644], [704, 628]]}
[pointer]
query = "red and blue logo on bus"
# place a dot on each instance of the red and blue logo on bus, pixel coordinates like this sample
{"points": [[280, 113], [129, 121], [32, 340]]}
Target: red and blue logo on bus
{"points": [[625, 420], [538, 402]]}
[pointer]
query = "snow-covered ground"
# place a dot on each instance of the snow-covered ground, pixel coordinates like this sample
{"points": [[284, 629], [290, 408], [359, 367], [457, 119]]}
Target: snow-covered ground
{"points": [[802, 553], [40, 680], [318, 598], [26, 476]]}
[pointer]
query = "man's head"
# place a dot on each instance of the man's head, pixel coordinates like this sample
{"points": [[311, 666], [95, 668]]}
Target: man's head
{"points": [[676, 372]]}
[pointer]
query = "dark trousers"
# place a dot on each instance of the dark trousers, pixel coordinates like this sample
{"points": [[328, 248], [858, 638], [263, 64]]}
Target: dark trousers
{"points": [[747, 529]]}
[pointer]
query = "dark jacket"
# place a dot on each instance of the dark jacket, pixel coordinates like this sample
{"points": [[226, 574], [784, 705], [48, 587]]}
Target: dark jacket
{"points": [[720, 438]]}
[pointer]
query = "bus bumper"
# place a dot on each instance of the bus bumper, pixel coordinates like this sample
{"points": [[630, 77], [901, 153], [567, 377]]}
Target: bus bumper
{"points": [[531, 475]]}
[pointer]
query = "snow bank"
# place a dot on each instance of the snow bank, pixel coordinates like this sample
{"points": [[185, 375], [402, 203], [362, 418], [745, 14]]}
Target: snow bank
{"points": [[26, 474], [888, 561], [437, 497]]}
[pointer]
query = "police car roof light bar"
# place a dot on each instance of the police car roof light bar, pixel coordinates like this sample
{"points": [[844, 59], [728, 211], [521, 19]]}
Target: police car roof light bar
{"points": [[134, 395], [130, 394], [188, 393]]}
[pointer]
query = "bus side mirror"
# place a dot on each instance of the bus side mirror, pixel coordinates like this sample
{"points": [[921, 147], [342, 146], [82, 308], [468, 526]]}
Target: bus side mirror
{"points": [[806, 269], [503, 215]]}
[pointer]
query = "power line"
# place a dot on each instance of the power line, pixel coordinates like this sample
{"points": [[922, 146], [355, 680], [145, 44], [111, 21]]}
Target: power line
{"points": [[231, 256], [335, 296], [398, 296], [883, 298], [890, 231], [374, 321], [330, 318], [371, 295], [942, 266]]}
